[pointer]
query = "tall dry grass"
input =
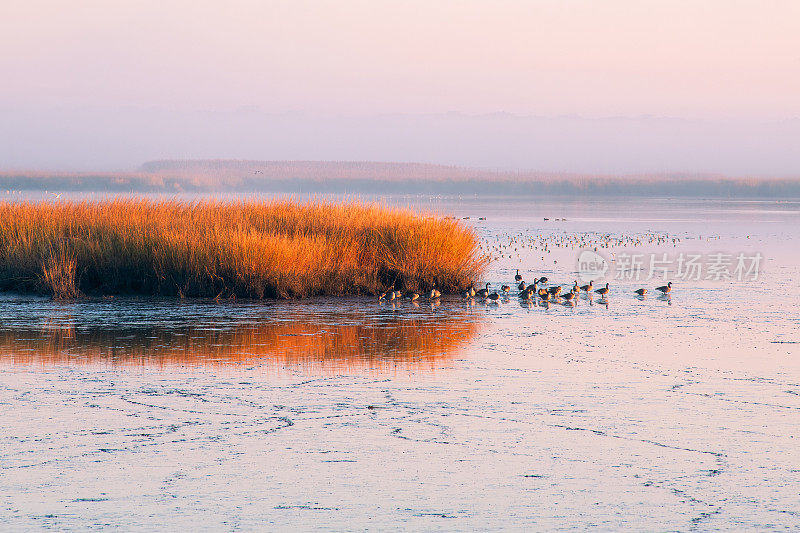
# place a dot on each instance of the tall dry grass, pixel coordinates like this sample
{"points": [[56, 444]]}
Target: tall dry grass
{"points": [[281, 249]]}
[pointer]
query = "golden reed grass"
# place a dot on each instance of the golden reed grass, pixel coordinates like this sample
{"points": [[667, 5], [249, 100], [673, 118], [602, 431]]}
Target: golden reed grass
{"points": [[278, 249]]}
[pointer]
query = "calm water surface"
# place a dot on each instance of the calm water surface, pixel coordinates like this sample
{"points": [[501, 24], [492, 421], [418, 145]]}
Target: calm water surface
{"points": [[669, 414]]}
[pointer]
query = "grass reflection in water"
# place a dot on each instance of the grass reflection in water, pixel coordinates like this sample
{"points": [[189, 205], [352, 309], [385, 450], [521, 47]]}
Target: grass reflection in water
{"points": [[295, 337]]}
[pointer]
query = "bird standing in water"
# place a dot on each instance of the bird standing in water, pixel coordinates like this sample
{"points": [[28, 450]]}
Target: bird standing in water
{"points": [[518, 277], [603, 291], [665, 289]]}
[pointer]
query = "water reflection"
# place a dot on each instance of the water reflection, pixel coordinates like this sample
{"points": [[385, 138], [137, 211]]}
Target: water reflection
{"points": [[328, 335]]}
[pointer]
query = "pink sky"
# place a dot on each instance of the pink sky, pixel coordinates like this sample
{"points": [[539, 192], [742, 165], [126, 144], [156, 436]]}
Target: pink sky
{"points": [[693, 59], [589, 86]]}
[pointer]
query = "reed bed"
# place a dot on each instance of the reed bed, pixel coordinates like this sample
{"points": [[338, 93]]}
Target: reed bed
{"points": [[275, 249]]}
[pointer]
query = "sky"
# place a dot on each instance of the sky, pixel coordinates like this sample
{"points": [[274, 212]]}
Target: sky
{"points": [[84, 69]]}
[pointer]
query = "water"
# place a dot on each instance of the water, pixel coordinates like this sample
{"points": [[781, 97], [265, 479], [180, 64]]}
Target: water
{"points": [[656, 413]]}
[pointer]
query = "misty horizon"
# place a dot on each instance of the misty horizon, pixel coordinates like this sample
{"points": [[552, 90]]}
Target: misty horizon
{"points": [[120, 139]]}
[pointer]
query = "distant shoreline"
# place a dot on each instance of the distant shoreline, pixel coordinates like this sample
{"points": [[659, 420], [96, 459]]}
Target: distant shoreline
{"points": [[308, 177]]}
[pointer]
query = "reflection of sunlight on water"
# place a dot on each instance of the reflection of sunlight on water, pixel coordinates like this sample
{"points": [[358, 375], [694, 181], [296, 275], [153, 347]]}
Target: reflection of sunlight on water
{"points": [[291, 337]]}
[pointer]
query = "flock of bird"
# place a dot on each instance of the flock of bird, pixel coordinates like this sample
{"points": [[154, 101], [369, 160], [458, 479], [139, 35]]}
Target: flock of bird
{"points": [[392, 295], [513, 245], [506, 245], [540, 289]]}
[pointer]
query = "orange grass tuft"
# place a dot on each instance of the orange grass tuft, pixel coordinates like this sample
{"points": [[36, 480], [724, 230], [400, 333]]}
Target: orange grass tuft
{"points": [[277, 249]]}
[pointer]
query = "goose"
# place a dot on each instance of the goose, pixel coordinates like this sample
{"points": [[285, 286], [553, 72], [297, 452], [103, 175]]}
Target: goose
{"points": [[521, 286], [392, 296], [533, 286], [434, 293], [570, 296], [555, 291], [525, 294], [665, 289], [641, 292], [603, 291], [505, 288], [546, 296], [382, 296], [412, 296], [472, 290], [542, 280], [483, 293], [517, 277], [493, 297], [589, 287], [543, 292], [575, 287], [466, 294]]}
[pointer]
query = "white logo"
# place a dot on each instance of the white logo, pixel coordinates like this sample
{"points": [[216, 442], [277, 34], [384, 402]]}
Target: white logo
{"points": [[591, 266]]}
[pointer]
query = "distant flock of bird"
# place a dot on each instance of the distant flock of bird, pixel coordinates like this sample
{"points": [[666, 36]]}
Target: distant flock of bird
{"points": [[513, 245]]}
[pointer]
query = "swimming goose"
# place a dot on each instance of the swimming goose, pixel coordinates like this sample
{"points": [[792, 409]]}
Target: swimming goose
{"points": [[603, 291], [521, 286], [589, 287], [434, 293], [641, 292], [517, 277], [493, 297], [483, 293], [412, 296], [472, 290], [466, 294], [666, 289]]}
